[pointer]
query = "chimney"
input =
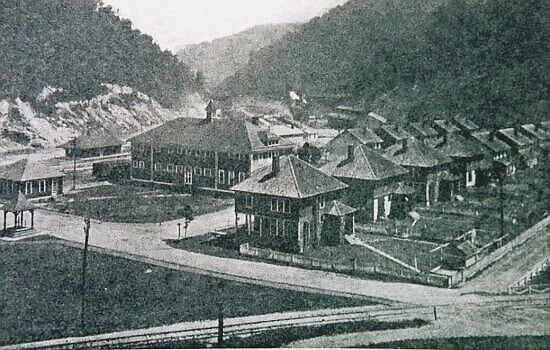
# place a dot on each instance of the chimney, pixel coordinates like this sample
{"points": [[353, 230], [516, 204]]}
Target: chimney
{"points": [[351, 152], [275, 165], [491, 136], [516, 129]]}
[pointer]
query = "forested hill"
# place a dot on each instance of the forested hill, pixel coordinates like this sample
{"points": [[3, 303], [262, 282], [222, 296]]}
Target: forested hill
{"points": [[487, 59], [221, 58], [78, 44]]}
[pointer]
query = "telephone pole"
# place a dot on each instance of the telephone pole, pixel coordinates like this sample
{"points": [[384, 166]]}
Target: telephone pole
{"points": [[84, 265], [74, 163]]}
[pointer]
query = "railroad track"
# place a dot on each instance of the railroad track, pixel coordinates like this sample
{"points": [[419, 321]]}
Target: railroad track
{"points": [[207, 331]]}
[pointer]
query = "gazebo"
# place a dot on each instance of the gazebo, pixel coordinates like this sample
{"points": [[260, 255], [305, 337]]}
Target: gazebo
{"points": [[18, 205]]}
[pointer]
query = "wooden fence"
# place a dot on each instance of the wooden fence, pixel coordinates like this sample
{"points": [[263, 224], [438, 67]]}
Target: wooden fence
{"points": [[355, 267]]}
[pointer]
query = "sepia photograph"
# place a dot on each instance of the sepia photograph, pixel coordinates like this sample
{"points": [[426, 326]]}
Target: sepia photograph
{"points": [[180, 174]]}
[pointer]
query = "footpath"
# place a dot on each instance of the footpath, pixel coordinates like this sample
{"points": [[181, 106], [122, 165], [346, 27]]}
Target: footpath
{"points": [[148, 241]]}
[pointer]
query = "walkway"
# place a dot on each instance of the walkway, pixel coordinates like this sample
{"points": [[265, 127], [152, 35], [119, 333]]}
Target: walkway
{"points": [[148, 241]]}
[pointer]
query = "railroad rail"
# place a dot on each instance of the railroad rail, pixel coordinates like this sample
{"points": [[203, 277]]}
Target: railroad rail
{"points": [[207, 331]]}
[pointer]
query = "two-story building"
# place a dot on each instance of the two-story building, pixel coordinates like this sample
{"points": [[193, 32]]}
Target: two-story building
{"points": [[338, 146], [426, 167], [212, 154], [424, 132], [33, 179], [494, 150], [523, 148], [392, 134], [372, 180], [294, 205], [465, 125]]}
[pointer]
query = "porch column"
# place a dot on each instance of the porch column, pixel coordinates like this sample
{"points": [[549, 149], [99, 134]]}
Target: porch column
{"points": [[261, 224], [427, 193], [5, 216], [32, 218], [342, 229], [248, 224], [237, 220], [352, 224]]}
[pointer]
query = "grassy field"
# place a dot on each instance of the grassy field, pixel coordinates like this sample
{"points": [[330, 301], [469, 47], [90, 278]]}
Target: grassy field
{"points": [[493, 343], [40, 294], [125, 203]]}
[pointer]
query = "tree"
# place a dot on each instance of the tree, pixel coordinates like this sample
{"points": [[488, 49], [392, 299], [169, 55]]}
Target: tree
{"points": [[309, 153], [187, 213]]}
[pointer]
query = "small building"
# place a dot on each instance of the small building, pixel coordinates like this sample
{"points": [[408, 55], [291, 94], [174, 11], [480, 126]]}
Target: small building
{"points": [[494, 150], [425, 165], [93, 143], [372, 179], [424, 132], [523, 148], [33, 179], [536, 133], [212, 154], [338, 146], [443, 127], [466, 154], [17, 204], [294, 205], [465, 125], [391, 135]]}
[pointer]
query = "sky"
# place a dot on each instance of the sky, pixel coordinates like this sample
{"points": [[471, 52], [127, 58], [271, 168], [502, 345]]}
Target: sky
{"points": [[176, 23]]}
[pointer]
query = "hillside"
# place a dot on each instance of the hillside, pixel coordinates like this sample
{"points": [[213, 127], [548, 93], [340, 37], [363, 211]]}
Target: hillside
{"points": [[414, 60], [221, 58], [122, 110], [78, 45]]}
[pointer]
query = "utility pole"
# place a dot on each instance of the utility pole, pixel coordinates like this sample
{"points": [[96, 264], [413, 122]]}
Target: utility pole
{"points": [[84, 262], [179, 230], [74, 163], [501, 180], [220, 313]]}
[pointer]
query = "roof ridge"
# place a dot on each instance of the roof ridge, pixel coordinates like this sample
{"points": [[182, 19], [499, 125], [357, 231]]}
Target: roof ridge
{"points": [[294, 179], [367, 162]]}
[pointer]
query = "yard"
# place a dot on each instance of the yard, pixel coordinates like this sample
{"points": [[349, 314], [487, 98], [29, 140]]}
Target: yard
{"points": [[40, 294], [134, 204]]}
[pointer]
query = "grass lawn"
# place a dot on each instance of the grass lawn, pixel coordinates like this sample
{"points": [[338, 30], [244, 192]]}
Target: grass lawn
{"points": [[125, 203], [40, 294], [494, 343]]}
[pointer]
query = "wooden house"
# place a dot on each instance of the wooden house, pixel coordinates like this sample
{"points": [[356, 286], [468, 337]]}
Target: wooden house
{"points": [[536, 133], [443, 127], [294, 205], [425, 165], [494, 150], [32, 179], [212, 154], [424, 132], [466, 154], [465, 125], [93, 143], [338, 146], [523, 147], [392, 134], [372, 179]]}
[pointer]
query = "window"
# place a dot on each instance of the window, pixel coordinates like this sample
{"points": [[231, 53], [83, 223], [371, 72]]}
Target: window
{"points": [[157, 166], [280, 205], [230, 177], [197, 171], [141, 164], [207, 172], [249, 201], [42, 186], [135, 164], [170, 168], [187, 176], [179, 169], [221, 176], [28, 187], [242, 176], [322, 202]]}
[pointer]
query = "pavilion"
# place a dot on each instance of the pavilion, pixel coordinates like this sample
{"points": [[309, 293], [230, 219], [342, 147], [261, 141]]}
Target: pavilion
{"points": [[17, 205]]}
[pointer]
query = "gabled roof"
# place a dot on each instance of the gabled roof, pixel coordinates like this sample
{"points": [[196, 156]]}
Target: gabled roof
{"points": [[421, 130], [488, 139], [416, 154], [465, 123], [222, 135], [364, 135], [377, 117], [395, 132], [25, 170], [18, 202], [516, 138], [534, 131], [337, 208], [283, 130], [93, 138], [458, 146], [445, 126], [366, 164], [295, 179]]}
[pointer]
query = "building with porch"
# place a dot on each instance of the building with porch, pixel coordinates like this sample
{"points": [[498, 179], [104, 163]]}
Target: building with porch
{"points": [[426, 166], [93, 143], [523, 148], [33, 179], [294, 205], [494, 150], [17, 204], [211, 154], [373, 181]]}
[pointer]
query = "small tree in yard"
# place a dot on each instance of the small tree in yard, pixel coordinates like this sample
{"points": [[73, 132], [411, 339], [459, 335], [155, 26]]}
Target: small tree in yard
{"points": [[187, 213]]}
